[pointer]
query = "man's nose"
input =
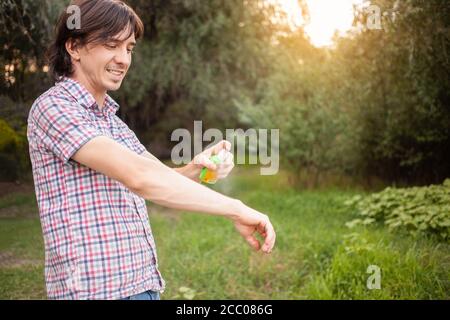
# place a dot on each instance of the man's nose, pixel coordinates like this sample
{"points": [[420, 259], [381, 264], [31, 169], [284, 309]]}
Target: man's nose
{"points": [[122, 57]]}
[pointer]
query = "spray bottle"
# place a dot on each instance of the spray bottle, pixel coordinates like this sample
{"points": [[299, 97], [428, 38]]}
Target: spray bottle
{"points": [[210, 176]]}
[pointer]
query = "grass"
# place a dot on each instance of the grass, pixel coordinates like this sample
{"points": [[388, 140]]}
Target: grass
{"points": [[17, 199], [316, 256]]}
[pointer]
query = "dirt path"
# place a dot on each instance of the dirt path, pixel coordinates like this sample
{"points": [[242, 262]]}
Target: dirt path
{"points": [[10, 260]]}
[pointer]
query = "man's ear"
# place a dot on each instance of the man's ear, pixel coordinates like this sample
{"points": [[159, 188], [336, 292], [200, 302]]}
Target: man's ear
{"points": [[73, 48]]}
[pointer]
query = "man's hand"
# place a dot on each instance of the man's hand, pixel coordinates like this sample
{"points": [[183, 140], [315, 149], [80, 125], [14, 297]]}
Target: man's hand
{"points": [[250, 221], [202, 160], [193, 168]]}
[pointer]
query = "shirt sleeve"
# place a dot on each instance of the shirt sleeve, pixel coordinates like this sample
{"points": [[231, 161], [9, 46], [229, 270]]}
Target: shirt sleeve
{"points": [[129, 134], [138, 146], [63, 126]]}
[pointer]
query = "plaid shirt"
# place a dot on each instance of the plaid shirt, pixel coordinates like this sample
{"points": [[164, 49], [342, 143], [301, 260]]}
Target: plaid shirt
{"points": [[98, 239]]}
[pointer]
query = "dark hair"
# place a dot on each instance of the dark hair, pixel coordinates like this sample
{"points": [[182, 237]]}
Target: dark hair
{"points": [[100, 20]]}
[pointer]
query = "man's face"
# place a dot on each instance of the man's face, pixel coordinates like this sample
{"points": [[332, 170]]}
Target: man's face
{"points": [[105, 65]]}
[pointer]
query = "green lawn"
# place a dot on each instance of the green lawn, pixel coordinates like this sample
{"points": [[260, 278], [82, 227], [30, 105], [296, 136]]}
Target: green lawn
{"points": [[316, 256]]}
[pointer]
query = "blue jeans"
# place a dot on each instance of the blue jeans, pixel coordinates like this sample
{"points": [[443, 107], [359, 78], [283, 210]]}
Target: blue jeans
{"points": [[147, 295]]}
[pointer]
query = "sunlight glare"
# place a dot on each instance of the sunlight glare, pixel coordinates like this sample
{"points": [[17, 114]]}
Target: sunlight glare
{"points": [[326, 18]]}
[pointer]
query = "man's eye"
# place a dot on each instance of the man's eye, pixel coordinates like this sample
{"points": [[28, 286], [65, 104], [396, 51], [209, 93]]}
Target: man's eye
{"points": [[130, 50], [111, 46]]}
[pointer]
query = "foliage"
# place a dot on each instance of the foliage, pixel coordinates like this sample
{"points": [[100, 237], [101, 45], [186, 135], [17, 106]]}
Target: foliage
{"points": [[376, 104], [416, 210], [14, 161], [299, 99], [396, 87], [195, 58], [26, 31]]}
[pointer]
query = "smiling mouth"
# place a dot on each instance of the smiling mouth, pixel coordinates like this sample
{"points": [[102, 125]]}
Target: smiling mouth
{"points": [[115, 72]]}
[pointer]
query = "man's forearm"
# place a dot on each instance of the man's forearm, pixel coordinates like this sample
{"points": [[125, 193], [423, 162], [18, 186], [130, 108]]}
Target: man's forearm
{"points": [[190, 171], [169, 188]]}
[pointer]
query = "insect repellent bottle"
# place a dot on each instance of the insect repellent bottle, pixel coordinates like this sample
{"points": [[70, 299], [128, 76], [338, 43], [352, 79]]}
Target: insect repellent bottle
{"points": [[210, 176]]}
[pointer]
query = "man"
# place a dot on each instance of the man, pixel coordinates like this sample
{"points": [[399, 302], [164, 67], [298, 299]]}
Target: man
{"points": [[92, 175]]}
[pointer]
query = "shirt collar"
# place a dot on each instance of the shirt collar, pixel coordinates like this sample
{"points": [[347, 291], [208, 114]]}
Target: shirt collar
{"points": [[84, 97]]}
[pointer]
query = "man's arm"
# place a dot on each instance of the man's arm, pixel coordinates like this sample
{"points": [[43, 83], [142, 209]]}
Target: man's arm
{"points": [[190, 170], [154, 181]]}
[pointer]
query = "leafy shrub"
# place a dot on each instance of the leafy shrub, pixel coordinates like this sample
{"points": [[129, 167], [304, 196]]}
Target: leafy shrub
{"points": [[14, 160], [416, 209]]}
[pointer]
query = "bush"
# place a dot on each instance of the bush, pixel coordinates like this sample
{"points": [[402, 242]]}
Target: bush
{"points": [[14, 160], [415, 210]]}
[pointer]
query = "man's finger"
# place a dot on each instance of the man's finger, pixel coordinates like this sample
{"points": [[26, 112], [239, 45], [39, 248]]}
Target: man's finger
{"points": [[227, 145], [204, 161], [253, 242], [229, 159], [209, 164], [224, 144], [269, 239], [262, 230]]}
